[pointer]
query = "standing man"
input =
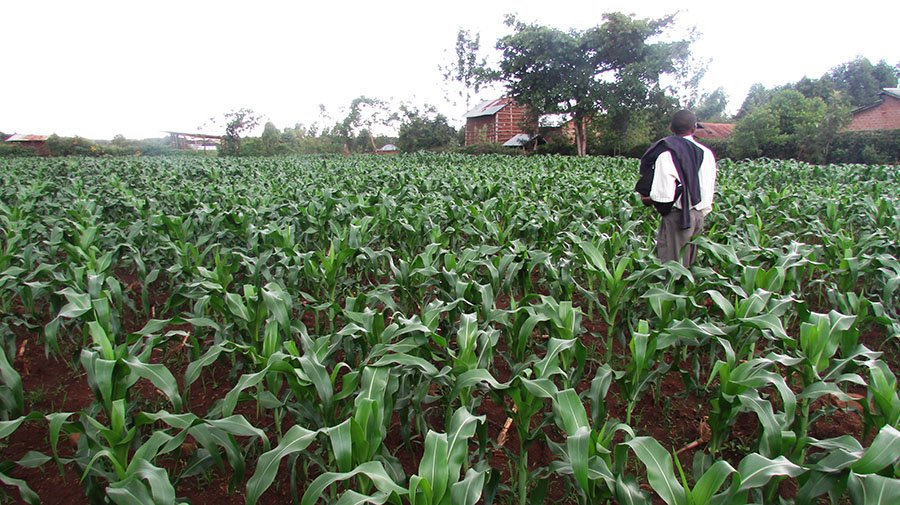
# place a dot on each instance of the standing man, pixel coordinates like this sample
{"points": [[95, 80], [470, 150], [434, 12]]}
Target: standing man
{"points": [[678, 177]]}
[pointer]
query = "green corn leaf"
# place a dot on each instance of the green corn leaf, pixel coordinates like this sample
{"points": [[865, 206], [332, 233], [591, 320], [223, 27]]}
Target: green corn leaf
{"points": [[756, 470], [79, 303], [25, 492], [296, 439], [873, 489], [353, 498], [98, 334], [540, 388], [246, 381], [660, 471], [342, 445], [884, 451], [161, 377], [239, 426], [578, 450], [468, 490], [374, 470], [462, 428], [236, 306], [195, 368], [160, 487], [434, 465], [477, 376], [710, 482], [570, 410]]}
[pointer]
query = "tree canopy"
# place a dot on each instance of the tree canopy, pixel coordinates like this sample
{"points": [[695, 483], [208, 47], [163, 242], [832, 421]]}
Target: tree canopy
{"points": [[584, 73]]}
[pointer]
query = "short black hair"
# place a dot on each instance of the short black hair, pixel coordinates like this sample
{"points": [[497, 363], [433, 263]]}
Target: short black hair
{"points": [[683, 122]]}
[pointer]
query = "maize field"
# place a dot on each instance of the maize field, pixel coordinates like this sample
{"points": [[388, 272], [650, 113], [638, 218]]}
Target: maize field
{"points": [[443, 329]]}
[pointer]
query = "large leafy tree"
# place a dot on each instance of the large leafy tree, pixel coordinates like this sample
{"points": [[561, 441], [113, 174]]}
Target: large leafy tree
{"points": [[584, 73], [237, 123], [425, 129], [789, 125], [861, 81]]}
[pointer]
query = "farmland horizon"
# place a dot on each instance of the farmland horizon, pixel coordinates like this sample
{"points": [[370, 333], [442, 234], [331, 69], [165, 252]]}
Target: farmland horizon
{"points": [[101, 74]]}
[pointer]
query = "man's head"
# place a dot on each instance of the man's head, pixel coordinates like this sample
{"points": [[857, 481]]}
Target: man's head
{"points": [[684, 122]]}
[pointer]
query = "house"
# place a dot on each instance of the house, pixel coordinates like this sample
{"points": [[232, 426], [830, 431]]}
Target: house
{"points": [[495, 121], [194, 141], [882, 115], [38, 143], [714, 131], [388, 149]]}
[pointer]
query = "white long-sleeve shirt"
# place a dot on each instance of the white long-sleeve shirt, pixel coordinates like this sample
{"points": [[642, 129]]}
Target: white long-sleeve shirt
{"points": [[665, 177]]}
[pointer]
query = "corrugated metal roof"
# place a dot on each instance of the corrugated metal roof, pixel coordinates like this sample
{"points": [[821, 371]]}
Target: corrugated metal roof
{"points": [[389, 147], [891, 92], [517, 140], [488, 108], [714, 130], [894, 92], [18, 137]]}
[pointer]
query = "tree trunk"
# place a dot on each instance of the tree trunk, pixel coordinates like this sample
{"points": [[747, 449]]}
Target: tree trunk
{"points": [[580, 136]]}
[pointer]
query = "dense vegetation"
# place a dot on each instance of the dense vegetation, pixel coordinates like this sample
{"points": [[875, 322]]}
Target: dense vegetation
{"points": [[371, 315]]}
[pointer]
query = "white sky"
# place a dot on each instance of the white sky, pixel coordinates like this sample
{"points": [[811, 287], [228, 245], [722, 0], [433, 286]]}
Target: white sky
{"points": [[100, 68]]}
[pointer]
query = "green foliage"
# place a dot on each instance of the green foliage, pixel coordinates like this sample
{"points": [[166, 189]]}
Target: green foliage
{"points": [[872, 147], [583, 72], [425, 130], [343, 313], [788, 125]]}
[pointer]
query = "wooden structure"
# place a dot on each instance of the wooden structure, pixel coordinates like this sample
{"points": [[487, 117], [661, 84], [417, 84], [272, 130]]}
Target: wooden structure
{"points": [[882, 115], [195, 141], [37, 143], [495, 121]]}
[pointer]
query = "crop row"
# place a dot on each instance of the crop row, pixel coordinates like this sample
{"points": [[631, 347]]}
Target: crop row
{"points": [[364, 307]]}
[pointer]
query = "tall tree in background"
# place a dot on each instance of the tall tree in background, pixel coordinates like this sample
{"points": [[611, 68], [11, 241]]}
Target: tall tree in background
{"points": [[467, 71], [789, 125], [424, 129], [583, 73], [238, 122], [861, 81], [711, 106], [364, 113]]}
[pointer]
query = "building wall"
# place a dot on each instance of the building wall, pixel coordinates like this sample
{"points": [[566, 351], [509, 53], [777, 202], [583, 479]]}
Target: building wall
{"points": [[497, 129], [481, 130], [510, 122], [885, 116]]}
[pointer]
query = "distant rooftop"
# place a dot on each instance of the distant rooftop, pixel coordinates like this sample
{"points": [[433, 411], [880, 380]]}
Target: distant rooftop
{"points": [[488, 108], [714, 130], [894, 92], [19, 137], [517, 140]]}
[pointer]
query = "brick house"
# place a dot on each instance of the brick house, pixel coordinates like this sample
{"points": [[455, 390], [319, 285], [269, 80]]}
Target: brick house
{"points": [[37, 143], [495, 121], [882, 115]]}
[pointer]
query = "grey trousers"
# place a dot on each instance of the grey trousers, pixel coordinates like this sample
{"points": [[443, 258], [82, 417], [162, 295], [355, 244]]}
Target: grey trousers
{"points": [[673, 242]]}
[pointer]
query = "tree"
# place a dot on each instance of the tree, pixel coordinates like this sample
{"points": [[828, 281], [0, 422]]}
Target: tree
{"points": [[467, 71], [364, 114], [711, 106], [583, 73], [862, 81], [270, 139], [790, 125], [237, 122], [425, 130]]}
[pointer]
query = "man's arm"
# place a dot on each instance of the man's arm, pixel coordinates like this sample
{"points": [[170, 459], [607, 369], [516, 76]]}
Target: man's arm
{"points": [[707, 176]]}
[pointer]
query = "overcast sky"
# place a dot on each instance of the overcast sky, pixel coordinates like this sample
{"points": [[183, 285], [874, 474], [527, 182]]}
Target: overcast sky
{"points": [[100, 68]]}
